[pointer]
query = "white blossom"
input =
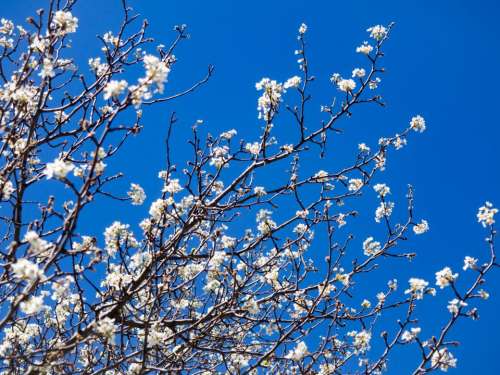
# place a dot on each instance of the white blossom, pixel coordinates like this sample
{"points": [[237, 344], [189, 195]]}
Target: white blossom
{"points": [[483, 294], [381, 298], [382, 189], [377, 32], [7, 26], [114, 88], [106, 328], [60, 288], [486, 214], [341, 220], [264, 222], [252, 306], [417, 123], [253, 148], [299, 352], [190, 270], [158, 208], [220, 156], [268, 102], [47, 68], [97, 67], [355, 184], [300, 228], [25, 269], [156, 71], [212, 285], [383, 210], [399, 142], [116, 278], [469, 263], [292, 82], [443, 359], [344, 278], [157, 335], [373, 84], [454, 306], [37, 244], [321, 176], [346, 85], [108, 37], [116, 235], [302, 213], [58, 168], [172, 186], [64, 22], [392, 284], [366, 304], [6, 190], [421, 227], [260, 191], [358, 73], [365, 48], [136, 194], [410, 335], [445, 277], [32, 305], [371, 247], [417, 287], [362, 147], [227, 241], [362, 341], [134, 369], [229, 134]]}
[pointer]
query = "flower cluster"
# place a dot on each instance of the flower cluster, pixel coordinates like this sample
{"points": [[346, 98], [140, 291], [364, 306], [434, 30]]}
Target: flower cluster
{"points": [[346, 85], [156, 75], [454, 306], [299, 352], [445, 277], [365, 48], [361, 340], [156, 71], [292, 82], [383, 210], [421, 227], [382, 189], [114, 88], [355, 184], [417, 287], [25, 269], [136, 194], [417, 123], [486, 214], [269, 101], [6, 189], [371, 247], [410, 335], [106, 328], [59, 168], [116, 235], [469, 263], [264, 222], [377, 32], [64, 22], [443, 359]]}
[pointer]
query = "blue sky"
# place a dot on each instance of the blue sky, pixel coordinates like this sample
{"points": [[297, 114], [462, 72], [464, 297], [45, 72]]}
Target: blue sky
{"points": [[440, 62]]}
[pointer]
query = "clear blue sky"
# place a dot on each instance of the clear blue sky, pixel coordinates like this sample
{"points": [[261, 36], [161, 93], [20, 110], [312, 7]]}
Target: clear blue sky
{"points": [[440, 61]]}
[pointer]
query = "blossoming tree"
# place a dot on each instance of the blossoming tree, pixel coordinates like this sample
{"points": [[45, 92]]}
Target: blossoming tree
{"points": [[197, 287]]}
